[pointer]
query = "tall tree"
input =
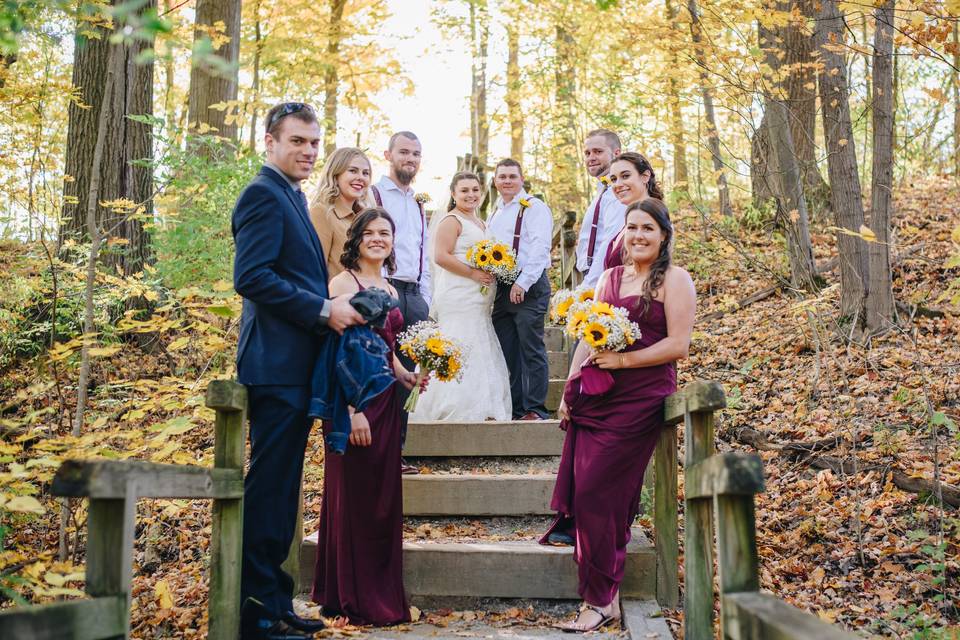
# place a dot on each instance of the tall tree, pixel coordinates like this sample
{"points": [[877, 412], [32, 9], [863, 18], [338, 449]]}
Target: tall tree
{"points": [[121, 174], [479, 38], [784, 173], [713, 134], [564, 156], [881, 310], [331, 78], [845, 196], [680, 171], [514, 109], [255, 85], [213, 78], [955, 75]]}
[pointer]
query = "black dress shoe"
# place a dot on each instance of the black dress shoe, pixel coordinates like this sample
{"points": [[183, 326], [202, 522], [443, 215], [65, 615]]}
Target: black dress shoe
{"points": [[302, 624], [258, 623]]}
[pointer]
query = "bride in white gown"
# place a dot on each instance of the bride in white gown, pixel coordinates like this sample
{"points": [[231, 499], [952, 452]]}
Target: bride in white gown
{"points": [[463, 313]]}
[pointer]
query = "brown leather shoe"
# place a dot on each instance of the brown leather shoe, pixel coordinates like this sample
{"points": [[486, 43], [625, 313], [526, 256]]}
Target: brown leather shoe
{"points": [[531, 415]]}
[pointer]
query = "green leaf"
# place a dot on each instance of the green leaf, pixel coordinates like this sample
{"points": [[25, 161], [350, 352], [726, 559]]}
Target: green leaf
{"points": [[222, 311]]}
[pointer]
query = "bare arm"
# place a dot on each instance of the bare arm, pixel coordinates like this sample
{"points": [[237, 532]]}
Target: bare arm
{"points": [[447, 233], [680, 305]]}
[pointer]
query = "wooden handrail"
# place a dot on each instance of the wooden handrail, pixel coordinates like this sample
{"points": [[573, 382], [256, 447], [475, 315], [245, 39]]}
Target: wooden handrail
{"points": [[113, 488]]}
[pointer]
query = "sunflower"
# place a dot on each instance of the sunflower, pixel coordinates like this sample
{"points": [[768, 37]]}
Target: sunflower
{"points": [[596, 334], [470, 253], [435, 345], [602, 309], [482, 257], [497, 255], [586, 294], [575, 320], [560, 311], [453, 366]]}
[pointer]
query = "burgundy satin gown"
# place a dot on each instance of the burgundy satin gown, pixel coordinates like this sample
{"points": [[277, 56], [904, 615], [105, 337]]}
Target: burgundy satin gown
{"points": [[359, 571], [610, 439]]}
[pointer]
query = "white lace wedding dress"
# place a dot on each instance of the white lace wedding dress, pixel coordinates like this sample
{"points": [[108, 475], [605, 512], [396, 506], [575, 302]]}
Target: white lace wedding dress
{"points": [[483, 392]]}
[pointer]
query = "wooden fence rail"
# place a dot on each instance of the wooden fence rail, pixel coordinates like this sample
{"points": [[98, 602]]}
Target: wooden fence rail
{"points": [[718, 488], [113, 488]]}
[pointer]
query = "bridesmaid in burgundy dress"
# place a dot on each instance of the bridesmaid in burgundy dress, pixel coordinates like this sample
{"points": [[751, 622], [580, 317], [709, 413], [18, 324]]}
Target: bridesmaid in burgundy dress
{"points": [[359, 551], [633, 180], [611, 436]]}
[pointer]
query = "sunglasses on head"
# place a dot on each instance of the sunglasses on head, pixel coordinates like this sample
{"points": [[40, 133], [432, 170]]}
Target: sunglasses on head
{"points": [[286, 109]]}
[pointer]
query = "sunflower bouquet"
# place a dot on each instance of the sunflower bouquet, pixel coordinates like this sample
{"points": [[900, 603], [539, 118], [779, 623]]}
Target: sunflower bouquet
{"points": [[497, 259], [564, 300], [426, 345], [602, 326]]}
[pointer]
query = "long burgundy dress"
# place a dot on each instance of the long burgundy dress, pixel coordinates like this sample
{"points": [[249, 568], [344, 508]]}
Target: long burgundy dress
{"points": [[610, 438], [359, 570], [614, 256]]}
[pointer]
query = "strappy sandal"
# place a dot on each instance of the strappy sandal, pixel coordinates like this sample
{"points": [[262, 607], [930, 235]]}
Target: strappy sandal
{"points": [[605, 618]]}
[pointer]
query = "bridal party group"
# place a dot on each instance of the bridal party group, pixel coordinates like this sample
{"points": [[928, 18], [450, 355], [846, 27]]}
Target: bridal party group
{"points": [[336, 278]]}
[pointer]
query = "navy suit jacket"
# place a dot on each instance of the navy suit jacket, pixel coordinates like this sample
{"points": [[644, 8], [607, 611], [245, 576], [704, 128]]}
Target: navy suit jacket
{"points": [[280, 271]]}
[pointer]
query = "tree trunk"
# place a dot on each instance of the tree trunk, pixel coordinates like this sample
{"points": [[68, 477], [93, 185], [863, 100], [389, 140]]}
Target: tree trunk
{"points": [[784, 168], [565, 158], [956, 101], [846, 199], [331, 78], [479, 37], [89, 77], [762, 165], [514, 110], [255, 88], [713, 134], [208, 84], [120, 175], [881, 311], [801, 100], [680, 171]]}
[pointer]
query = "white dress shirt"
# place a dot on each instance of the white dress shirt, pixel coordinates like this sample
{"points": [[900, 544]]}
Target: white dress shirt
{"points": [[608, 226], [411, 241], [536, 235]]}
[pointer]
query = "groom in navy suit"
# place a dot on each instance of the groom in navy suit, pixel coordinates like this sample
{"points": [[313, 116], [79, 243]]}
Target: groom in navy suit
{"points": [[280, 272]]}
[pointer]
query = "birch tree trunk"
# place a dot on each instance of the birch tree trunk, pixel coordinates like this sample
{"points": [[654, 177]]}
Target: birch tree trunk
{"points": [[713, 134], [846, 198], [881, 310], [208, 84], [331, 77]]}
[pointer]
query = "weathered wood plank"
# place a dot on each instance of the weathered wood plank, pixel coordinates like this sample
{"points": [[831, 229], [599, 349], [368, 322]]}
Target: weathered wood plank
{"points": [[226, 395], [737, 560], [227, 531], [760, 615], [109, 479], [96, 619], [698, 534], [110, 533], [699, 396], [665, 518], [730, 473]]}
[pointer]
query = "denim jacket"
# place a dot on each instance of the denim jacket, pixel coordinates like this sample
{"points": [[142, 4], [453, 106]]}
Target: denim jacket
{"points": [[351, 369]]}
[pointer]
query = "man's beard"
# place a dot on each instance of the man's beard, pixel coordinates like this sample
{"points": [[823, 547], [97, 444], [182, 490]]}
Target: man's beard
{"points": [[405, 176]]}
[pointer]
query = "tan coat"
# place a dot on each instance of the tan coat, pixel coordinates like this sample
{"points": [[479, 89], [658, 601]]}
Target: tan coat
{"points": [[332, 231]]}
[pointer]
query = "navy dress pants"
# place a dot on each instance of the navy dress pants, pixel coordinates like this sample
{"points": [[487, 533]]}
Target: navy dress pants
{"points": [[279, 428], [519, 328], [414, 309]]}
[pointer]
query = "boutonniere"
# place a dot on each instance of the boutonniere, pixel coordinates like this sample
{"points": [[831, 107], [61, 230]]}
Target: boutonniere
{"points": [[605, 180], [524, 203], [422, 198]]}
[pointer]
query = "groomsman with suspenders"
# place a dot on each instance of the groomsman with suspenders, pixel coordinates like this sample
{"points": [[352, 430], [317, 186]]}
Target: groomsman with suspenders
{"points": [[604, 217], [412, 277], [526, 224]]}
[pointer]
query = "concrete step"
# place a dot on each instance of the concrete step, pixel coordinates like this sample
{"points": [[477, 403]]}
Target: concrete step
{"points": [[554, 393], [554, 338], [513, 438], [501, 569], [477, 494], [558, 363]]}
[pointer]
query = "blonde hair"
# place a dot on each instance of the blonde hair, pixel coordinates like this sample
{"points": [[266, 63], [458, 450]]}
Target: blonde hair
{"points": [[328, 191]]}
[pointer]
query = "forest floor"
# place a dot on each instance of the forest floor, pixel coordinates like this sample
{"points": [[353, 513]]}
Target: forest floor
{"points": [[854, 434]]}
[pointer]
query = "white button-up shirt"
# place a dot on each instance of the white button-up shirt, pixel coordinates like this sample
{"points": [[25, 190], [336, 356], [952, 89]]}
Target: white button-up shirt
{"points": [[411, 241], [536, 235], [608, 226]]}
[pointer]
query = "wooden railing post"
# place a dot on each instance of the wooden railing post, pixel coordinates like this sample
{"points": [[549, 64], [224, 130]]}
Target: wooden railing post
{"points": [[229, 399], [666, 543], [110, 529]]}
